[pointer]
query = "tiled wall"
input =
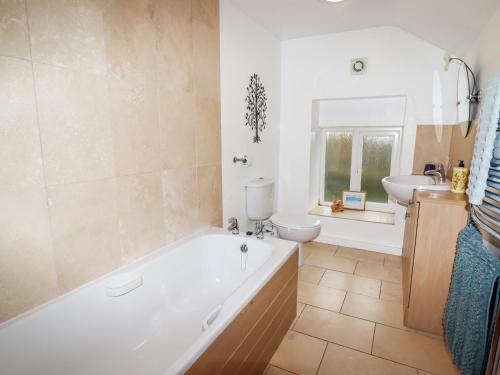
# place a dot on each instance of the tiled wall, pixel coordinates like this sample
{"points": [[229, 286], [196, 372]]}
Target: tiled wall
{"points": [[444, 144], [109, 137]]}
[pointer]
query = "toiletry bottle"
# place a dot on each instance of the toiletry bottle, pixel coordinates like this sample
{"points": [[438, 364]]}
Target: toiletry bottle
{"points": [[459, 180]]}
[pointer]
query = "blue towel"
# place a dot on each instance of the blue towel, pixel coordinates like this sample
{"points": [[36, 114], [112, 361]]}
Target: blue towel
{"points": [[472, 305]]}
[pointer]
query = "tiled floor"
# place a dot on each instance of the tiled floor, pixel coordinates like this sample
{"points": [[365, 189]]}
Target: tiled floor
{"points": [[350, 320]]}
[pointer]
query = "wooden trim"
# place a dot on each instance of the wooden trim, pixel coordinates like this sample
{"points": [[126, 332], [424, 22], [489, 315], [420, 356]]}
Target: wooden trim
{"points": [[261, 324]]}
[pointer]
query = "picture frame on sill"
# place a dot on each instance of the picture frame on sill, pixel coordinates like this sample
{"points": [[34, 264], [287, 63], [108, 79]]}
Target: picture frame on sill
{"points": [[354, 200]]}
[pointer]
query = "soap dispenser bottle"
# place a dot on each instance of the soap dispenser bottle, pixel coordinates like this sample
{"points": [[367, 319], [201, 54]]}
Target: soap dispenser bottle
{"points": [[459, 180]]}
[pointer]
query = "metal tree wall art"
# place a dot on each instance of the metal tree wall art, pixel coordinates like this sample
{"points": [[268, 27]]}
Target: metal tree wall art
{"points": [[256, 101]]}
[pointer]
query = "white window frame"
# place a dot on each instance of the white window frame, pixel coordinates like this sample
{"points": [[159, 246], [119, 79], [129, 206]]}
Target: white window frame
{"points": [[357, 160]]}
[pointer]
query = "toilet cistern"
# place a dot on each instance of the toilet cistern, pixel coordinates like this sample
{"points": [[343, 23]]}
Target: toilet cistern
{"points": [[259, 196]]}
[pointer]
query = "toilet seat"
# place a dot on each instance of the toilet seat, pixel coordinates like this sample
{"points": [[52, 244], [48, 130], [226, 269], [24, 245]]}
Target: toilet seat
{"points": [[295, 221]]}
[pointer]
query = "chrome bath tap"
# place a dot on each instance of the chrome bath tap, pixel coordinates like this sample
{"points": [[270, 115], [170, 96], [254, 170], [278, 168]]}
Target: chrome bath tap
{"points": [[233, 225]]}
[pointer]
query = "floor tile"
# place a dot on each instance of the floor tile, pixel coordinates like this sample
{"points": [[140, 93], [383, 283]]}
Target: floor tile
{"points": [[334, 327], [300, 308], [378, 271], [361, 255], [393, 260], [345, 361], [310, 274], [334, 263], [413, 349], [421, 372], [374, 309], [352, 283], [273, 370], [319, 248], [299, 353], [320, 296], [391, 291]]}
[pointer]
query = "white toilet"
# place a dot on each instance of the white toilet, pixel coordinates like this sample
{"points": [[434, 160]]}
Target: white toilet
{"points": [[259, 195]]}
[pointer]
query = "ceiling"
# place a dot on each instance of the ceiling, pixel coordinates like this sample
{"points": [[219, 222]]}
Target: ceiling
{"points": [[453, 25]]}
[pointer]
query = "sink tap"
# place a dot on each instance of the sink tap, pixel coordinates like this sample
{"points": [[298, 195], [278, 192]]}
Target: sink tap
{"points": [[437, 173], [233, 225]]}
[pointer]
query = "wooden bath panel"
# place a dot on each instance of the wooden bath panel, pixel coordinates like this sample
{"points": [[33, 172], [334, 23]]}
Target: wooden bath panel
{"points": [[250, 340]]}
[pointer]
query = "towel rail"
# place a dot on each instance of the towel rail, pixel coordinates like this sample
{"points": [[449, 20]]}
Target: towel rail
{"points": [[488, 233]]}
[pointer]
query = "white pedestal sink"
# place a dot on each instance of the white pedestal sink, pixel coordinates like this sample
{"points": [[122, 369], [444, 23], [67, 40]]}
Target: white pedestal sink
{"points": [[401, 188]]}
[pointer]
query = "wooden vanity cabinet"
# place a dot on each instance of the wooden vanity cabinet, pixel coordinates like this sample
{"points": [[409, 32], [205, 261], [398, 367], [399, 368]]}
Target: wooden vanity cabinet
{"points": [[433, 221]]}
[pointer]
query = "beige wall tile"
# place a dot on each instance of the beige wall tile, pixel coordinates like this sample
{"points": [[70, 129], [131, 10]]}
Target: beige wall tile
{"points": [[130, 40], [75, 125], [85, 231], [210, 195], [124, 109], [413, 349], [206, 81], [352, 283], [27, 271], [180, 202], [208, 132], [177, 115], [361, 255], [14, 36], [334, 327], [432, 145], [331, 262], [68, 33], [206, 11], [299, 353], [20, 152], [345, 361], [135, 128], [374, 309], [175, 44], [140, 215], [379, 271], [391, 291], [326, 298], [461, 148], [310, 274]]}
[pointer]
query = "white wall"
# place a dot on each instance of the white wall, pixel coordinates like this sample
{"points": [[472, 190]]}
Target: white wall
{"points": [[319, 68], [246, 48], [488, 52]]}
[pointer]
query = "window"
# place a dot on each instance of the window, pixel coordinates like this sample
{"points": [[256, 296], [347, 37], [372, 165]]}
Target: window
{"points": [[358, 159]]}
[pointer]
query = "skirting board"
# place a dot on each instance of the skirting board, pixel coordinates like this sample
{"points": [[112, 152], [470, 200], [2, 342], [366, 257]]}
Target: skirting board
{"points": [[370, 246]]}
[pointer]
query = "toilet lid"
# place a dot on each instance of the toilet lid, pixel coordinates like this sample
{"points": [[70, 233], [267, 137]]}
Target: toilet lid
{"points": [[295, 221]]}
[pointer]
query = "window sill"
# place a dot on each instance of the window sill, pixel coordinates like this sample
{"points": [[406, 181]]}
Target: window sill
{"points": [[367, 216]]}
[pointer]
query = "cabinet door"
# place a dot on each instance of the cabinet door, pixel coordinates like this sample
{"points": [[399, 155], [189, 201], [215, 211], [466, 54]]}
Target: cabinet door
{"points": [[409, 250]]}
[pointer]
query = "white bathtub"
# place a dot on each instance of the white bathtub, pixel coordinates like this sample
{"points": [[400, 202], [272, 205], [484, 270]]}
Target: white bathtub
{"points": [[155, 328]]}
